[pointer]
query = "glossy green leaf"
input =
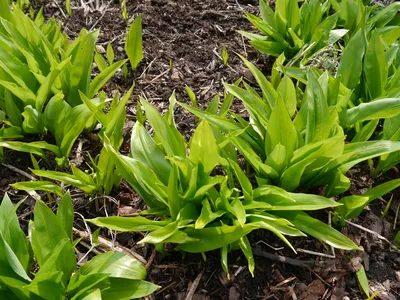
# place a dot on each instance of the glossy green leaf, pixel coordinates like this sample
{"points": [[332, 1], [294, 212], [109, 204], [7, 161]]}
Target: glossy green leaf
{"points": [[318, 230], [133, 42], [128, 224], [350, 66], [211, 238], [46, 186], [203, 147]]}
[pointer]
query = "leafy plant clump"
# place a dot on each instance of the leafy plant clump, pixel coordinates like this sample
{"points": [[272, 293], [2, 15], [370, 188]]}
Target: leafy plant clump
{"points": [[45, 267], [202, 211], [297, 32]]}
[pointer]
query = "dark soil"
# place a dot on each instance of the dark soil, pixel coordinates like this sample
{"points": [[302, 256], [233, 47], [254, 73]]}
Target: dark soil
{"points": [[189, 35]]}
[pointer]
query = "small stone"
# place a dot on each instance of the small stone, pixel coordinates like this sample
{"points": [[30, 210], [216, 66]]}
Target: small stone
{"points": [[397, 274], [100, 49], [175, 75], [120, 49], [233, 294]]}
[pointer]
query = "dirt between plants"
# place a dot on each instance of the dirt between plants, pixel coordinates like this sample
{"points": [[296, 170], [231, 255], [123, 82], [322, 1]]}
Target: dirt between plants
{"points": [[182, 42]]}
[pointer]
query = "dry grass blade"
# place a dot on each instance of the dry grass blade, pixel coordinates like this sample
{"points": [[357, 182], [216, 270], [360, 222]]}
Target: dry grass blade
{"points": [[194, 286]]}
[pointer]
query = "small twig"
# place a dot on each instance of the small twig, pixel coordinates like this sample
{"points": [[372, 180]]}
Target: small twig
{"points": [[147, 68], [373, 233], [330, 224], [396, 216], [315, 253], [285, 260], [23, 173], [240, 269], [272, 247], [320, 278], [194, 286], [151, 259], [107, 245], [62, 12], [102, 15], [157, 77], [166, 288]]}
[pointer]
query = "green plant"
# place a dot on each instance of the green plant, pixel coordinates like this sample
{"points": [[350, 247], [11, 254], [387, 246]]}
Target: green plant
{"points": [[133, 42], [201, 211], [353, 205], [369, 75], [302, 149], [298, 32], [110, 275], [37, 64], [354, 14], [102, 176], [64, 122]]}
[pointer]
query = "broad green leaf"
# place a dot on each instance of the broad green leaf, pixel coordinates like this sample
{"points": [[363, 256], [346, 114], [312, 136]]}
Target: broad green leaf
{"points": [[55, 112], [11, 110], [110, 53], [100, 61], [144, 149], [46, 186], [173, 145], [239, 211], [159, 235], [244, 181], [65, 214], [61, 259], [363, 280], [23, 147], [357, 152], [128, 224], [100, 80], [33, 120], [211, 238], [48, 231], [366, 131], [174, 197], [375, 66], [67, 179], [378, 109], [207, 215], [45, 88], [11, 266], [269, 47], [12, 232], [81, 71], [93, 295], [269, 93], [281, 131], [133, 42], [248, 253], [318, 119], [115, 264], [318, 229], [203, 147], [121, 289], [48, 287], [288, 92], [350, 66], [353, 205]]}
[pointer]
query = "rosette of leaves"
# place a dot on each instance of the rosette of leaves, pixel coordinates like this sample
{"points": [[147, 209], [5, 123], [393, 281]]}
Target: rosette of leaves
{"points": [[37, 63], [294, 148], [101, 178], [110, 275], [200, 206], [298, 32]]}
